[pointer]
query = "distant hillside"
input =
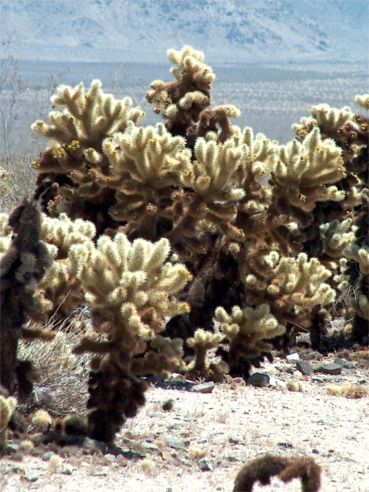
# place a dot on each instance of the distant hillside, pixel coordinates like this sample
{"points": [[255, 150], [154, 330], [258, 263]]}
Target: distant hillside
{"points": [[227, 30]]}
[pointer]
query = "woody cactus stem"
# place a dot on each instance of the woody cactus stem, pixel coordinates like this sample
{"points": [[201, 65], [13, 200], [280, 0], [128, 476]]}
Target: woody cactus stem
{"points": [[20, 270]]}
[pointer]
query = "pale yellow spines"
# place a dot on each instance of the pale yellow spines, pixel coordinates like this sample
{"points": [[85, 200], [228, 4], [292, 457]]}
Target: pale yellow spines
{"points": [[149, 156], [3, 179], [5, 234], [172, 347], [304, 170], [7, 408], [249, 328], [213, 175], [87, 117], [337, 236], [203, 339], [330, 119], [190, 98], [314, 162], [62, 232], [301, 283], [259, 149], [363, 101], [191, 61], [124, 280], [360, 255]]}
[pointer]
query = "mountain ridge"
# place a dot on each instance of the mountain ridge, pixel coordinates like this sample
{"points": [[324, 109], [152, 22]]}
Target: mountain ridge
{"points": [[227, 30]]}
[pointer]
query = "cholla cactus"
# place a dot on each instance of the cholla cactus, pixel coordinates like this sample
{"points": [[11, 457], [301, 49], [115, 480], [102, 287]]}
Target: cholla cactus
{"points": [[131, 289], [300, 283], [295, 288], [72, 168], [185, 102], [88, 117], [148, 162], [328, 119], [7, 407], [5, 234], [215, 180], [304, 171], [361, 301], [338, 236], [247, 330], [59, 290], [202, 342]]}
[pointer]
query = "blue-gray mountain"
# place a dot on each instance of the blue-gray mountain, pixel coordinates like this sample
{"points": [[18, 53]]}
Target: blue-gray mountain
{"points": [[227, 30]]}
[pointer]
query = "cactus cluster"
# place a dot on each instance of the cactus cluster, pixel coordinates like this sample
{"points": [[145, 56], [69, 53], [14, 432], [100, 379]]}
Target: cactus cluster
{"points": [[196, 245]]}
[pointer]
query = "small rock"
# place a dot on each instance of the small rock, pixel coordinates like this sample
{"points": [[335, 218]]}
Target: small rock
{"points": [[237, 380], [293, 357], [150, 446], [286, 445], [284, 368], [93, 445], [345, 364], [318, 379], [167, 405], [332, 368], [46, 456], [67, 469], [275, 383], [31, 477], [175, 442], [315, 451], [11, 447], [304, 367], [259, 379], [230, 458], [110, 458], [204, 465], [234, 440], [204, 387]]}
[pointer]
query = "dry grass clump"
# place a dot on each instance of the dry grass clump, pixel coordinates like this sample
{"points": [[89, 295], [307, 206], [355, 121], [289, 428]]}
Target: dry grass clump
{"points": [[347, 390], [20, 182], [296, 386], [148, 467], [62, 384], [195, 453]]}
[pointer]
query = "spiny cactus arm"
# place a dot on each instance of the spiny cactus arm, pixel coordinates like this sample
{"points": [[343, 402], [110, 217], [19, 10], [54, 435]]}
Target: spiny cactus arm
{"points": [[299, 284], [88, 117], [192, 76], [338, 236], [154, 363], [7, 408], [4, 175], [313, 163], [247, 331], [305, 170], [328, 119], [191, 62], [182, 101], [62, 232], [129, 279], [202, 342], [149, 156], [5, 234], [214, 120]]}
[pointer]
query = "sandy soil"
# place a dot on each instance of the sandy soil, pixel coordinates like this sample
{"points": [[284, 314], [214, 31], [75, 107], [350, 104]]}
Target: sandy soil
{"points": [[203, 440]]}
